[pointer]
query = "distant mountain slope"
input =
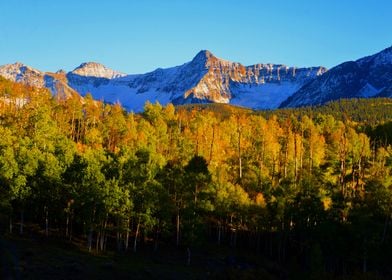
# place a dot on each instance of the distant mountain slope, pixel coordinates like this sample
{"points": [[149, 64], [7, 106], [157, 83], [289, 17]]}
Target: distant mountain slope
{"points": [[370, 76], [208, 79], [205, 79], [56, 82]]}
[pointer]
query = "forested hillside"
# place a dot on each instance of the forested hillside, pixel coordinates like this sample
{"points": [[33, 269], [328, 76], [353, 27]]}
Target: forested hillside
{"points": [[310, 191], [365, 111]]}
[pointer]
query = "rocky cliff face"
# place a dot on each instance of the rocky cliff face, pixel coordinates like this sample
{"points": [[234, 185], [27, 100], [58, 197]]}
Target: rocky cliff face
{"points": [[210, 79], [207, 79], [19, 72], [257, 86], [204, 79], [56, 82]]}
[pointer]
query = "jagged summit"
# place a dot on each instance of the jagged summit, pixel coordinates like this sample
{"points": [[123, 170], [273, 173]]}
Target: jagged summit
{"points": [[209, 79], [19, 72], [98, 70], [204, 79], [203, 55], [18, 66], [204, 58], [208, 59]]}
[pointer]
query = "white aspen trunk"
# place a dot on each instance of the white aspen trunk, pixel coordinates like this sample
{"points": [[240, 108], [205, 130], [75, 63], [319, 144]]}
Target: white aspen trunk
{"points": [[90, 235], [90, 238], [118, 236], [103, 235], [98, 239], [136, 236], [127, 236]]}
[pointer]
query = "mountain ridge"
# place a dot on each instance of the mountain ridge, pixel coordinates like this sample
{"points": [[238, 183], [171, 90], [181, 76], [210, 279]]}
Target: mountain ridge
{"points": [[204, 79], [209, 79], [370, 76]]}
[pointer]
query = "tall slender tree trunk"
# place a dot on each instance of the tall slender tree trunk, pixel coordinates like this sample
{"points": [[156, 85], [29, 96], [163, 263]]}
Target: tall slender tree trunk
{"points": [[118, 236], [103, 234], [178, 228], [127, 235], [136, 235], [90, 238], [98, 238], [90, 234]]}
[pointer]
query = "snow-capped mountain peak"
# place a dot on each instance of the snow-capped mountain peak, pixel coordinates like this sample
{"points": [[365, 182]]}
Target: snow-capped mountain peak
{"points": [[97, 70], [204, 57], [17, 67], [204, 79], [209, 79], [19, 72]]}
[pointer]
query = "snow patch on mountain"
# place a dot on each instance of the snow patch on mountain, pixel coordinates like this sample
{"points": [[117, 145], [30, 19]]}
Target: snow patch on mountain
{"points": [[19, 72], [204, 79], [263, 96], [93, 69]]}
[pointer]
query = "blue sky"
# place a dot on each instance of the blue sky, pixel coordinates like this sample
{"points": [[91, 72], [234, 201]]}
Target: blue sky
{"points": [[139, 36]]}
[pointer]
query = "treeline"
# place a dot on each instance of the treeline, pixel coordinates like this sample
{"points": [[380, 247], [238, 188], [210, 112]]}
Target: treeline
{"points": [[311, 193], [366, 111]]}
